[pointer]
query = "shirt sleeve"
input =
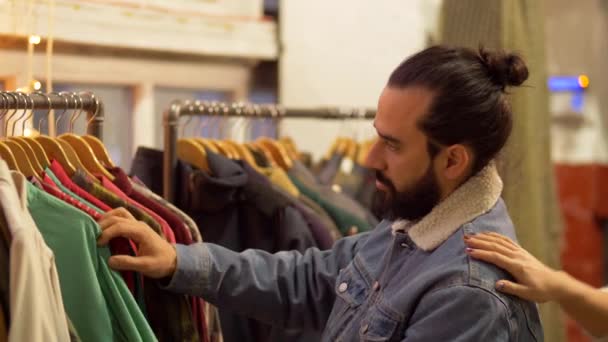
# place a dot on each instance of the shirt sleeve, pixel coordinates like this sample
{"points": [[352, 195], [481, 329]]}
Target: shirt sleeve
{"points": [[287, 289], [459, 313]]}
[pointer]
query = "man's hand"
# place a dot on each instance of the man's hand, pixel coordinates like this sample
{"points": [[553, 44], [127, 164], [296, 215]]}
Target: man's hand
{"points": [[156, 257]]}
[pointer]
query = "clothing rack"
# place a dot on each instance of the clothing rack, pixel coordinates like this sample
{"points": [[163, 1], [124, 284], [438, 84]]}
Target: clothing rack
{"points": [[84, 101], [182, 108]]}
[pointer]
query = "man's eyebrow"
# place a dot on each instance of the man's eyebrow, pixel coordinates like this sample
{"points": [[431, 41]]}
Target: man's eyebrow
{"points": [[387, 137]]}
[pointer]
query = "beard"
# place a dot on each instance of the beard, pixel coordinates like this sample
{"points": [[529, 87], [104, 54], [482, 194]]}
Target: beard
{"points": [[411, 204]]}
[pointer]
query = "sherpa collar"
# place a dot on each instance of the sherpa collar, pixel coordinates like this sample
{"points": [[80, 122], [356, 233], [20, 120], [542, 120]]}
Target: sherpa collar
{"points": [[473, 198]]}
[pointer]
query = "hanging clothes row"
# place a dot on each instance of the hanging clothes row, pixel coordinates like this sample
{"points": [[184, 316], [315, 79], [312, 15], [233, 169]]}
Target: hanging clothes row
{"points": [[254, 194], [343, 168], [49, 233]]}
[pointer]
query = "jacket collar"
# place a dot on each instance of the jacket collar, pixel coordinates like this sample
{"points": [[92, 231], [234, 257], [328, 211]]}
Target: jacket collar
{"points": [[473, 198]]}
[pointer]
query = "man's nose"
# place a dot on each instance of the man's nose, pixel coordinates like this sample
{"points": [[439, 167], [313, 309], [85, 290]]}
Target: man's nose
{"points": [[374, 159]]}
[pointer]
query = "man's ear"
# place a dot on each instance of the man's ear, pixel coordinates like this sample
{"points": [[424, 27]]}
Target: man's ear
{"points": [[458, 159]]}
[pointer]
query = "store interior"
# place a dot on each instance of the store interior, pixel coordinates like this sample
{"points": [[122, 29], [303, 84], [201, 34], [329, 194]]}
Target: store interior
{"points": [[148, 86]]}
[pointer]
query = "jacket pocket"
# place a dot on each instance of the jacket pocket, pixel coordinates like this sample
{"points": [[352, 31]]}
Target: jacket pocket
{"points": [[351, 291], [379, 325]]}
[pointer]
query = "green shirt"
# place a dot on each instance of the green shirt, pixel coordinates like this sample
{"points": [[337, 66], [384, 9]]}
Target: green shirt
{"points": [[343, 219], [96, 298]]}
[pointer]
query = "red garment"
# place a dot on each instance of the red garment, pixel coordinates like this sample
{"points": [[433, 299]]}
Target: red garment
{"points": [[164, 225], [68, 183], [49, 186], [182, 234]]}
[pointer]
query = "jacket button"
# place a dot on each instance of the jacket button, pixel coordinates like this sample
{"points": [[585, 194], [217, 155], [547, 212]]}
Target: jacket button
{"points": [[404, 245], [342, 288], [376, 286], [364, 328]]}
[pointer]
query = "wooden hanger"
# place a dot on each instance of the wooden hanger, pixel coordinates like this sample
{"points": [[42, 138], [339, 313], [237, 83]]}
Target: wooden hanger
{"points": [[232, 152], [86, 155], [290, 146], [38, 150], [22, 158], [95, 144], [244, 154], [73, 158], [192, 153], [268, 156], [7, 155], [30, 154], [54, 150], [23, 163], [100, 151], [206, 144], [220, 148], [277, 151]]}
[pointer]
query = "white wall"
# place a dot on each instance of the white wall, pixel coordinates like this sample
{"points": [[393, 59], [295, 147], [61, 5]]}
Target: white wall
{"points": [[340, 53]]}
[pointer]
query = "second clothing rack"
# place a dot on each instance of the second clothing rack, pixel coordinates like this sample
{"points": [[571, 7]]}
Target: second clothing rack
{"points": [[181, 108]]}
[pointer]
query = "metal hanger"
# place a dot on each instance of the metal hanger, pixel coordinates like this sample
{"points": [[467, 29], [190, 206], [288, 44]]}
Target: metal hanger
{"points": [[22, 159], [192, 153], [53, 148], [43, 159], [33, 158], [205, 143], [83, 150], [5, 152], [97, 145], [277, 151]]}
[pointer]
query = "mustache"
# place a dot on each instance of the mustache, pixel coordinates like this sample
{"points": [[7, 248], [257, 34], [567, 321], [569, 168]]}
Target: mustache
{"points": [[383, 179]]}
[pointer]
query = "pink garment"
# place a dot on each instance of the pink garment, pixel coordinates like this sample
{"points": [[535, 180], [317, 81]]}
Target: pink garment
{"points": [[114, 189]]}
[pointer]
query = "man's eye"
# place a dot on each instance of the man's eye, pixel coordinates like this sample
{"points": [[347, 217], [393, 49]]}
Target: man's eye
{"points": [[391, 147]]}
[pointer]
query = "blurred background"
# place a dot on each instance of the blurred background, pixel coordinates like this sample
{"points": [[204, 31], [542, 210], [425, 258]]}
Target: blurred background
{"points": [[139, 55]]}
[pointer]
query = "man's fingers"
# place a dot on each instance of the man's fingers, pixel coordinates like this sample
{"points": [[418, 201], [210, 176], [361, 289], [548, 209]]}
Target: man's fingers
{"points": [[118, 212], [129, 263], [127, 229], [495, 258]]}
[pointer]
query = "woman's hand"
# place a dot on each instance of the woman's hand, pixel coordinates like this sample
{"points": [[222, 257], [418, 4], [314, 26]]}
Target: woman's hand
{"points": [[156, 258], [535, 281]]}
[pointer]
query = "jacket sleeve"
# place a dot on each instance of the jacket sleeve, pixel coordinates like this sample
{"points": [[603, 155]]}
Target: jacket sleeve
{"points": [[287, 289], [459, 313]]}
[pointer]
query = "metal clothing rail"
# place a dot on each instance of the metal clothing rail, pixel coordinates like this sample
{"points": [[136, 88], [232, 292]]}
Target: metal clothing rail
{"points": [[180, 108], [84, 101]]}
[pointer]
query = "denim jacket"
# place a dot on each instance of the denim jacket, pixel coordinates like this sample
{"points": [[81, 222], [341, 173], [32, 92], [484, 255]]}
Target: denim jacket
{"points": [[402, 281]]}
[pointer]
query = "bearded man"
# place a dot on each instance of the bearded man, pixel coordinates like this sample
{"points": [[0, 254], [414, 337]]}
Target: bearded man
{"points": [[442, 119]]}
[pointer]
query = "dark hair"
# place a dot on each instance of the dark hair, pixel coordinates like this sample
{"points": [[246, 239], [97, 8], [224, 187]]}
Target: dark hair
{"points": [[469, 104]]}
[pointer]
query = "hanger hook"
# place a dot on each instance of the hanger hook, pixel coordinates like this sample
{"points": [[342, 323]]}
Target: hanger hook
{"points": [[30, 112], [8, 116], [79, 108], [190, 107], [97, 109], [19, 95], [204, 121], [4, 104], [43, 118], [25, 110], [67, 104]]}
